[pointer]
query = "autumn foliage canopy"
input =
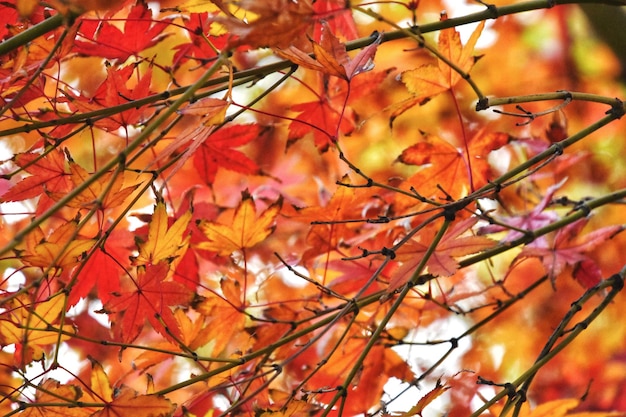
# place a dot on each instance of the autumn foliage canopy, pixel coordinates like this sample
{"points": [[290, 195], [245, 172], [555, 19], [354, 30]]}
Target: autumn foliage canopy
{"points": [[311, 208]]}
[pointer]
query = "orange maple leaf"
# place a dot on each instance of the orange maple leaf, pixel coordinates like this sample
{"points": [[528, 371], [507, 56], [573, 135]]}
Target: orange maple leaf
{"points": [[147, 297], [226, 324], [428, 80], [245, 231], [423, 402], [128, 402], [331, 56], [556, 408], [106, 192], [277, 23], [448, 167], [53, 392]]}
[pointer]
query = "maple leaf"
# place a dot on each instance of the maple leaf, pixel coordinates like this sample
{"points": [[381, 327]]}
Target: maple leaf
{"points": [[11, 87], [211, 110], [127, 401], [561, 408], [62, 249], [448, 167], [245, 231], [218, 151], [31, 327], [326, 233], [195, 334], [331, 56], [429, 80], [199, 48], [380, 365], [147, 297], [530, 221], [47, 176], [226, 324], [163, 244], [8, 17], [330, 114], [286, 406], [104, 39], [53, 392], [114, 91], [567, 246], [326, 120], [103, 268], [278, 23], [210, 114], [122, 400], [337, 15], [423, 402], [106, 192], [441, 262]]}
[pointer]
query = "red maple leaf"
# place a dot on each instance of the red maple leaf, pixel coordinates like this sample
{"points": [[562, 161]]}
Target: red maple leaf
{"points": [[104, 268], [147, 297], [114, 91], [199, 48], [331, 114], [337, 14], [104, 39], [218, 151], [47, 175], [9, 17], [568, 247], [538, 217], [442, 262], [322, 119]]}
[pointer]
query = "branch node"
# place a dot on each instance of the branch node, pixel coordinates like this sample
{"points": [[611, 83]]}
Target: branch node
{"points": [[558, 149], [617, 282], [454, 342], [582, 206], [390, 253], [617, 109], [482, 104], [449, 214]]}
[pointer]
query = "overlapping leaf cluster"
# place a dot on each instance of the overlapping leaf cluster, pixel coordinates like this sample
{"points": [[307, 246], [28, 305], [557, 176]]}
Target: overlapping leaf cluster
{"points": [[264, 207]]}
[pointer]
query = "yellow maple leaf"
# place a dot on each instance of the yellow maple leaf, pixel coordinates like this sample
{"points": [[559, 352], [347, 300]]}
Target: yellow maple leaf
{"points": [[163, 243], [33, 329], [245, 231]]}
